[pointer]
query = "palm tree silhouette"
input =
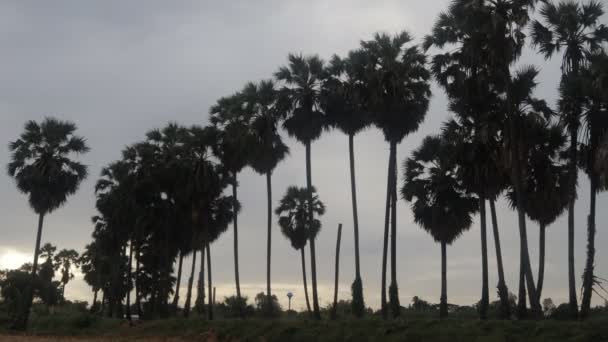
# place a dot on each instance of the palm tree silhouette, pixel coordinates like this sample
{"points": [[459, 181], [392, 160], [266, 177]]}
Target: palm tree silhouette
{"points": [[480, 41], [399, 93], [231, 127], [293, 211], [300, 103], [343, 98], [574, 28], [595, 125], [42, 167], [522, 109], [269, 149], [440, 202], [546, 184]]}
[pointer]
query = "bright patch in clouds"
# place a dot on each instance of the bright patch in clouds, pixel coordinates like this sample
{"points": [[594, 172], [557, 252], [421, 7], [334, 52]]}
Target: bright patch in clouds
{"points": [[11, 258]]}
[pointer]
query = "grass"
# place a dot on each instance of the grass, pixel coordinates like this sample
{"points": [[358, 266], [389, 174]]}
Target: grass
{"points": [[86, 327]]}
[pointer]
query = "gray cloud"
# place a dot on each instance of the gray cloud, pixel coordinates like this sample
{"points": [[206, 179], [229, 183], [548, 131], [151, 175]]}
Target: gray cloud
{"points": [[119, 68]]}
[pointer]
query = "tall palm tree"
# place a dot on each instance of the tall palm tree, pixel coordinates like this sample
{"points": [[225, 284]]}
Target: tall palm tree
{"points": [[440, 202], [481, 40], [300, 102], [261, 100], [293, 212], [399, 93], [577, 30], [210, 210], [343, 98], [231, 123], [546, 184], [43, 168], [595, 125], [522, 110]]}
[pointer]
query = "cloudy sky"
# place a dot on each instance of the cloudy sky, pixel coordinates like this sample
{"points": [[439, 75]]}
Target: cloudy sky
{"points": [[118, 68]]}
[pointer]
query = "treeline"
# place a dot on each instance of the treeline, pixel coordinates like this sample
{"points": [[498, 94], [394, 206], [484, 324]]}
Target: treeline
{"points": [[174, 193]]}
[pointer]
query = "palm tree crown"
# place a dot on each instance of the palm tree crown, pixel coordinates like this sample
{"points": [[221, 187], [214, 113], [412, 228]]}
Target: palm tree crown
{"points": [[41, 164]]}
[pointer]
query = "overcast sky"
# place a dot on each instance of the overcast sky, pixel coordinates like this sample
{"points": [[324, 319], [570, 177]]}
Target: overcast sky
{"points": [[119, 68]]}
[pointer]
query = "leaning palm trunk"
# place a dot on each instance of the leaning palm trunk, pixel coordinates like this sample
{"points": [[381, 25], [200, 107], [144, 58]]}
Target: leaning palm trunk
{"points": [[527, 269], [522, 310], [21, 322], [485, 296], [236, 245], [269, 243], [302, 252], [443, 306], [393, 291], [358, 304], [503, 292], [541, 261], [573, 175], [200, 287], [313, 259], [588, 278], [178, 280], [210, 284], [334, 311], [387, 213], [190, 282]]}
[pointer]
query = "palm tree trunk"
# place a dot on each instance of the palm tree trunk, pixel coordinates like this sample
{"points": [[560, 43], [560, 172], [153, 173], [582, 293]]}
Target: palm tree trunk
{"points": [[387, 213], [178, 280], [394, 289], [313, 259], [588, 277], [236, 244], [21, 322], [200, 288], [209, 284], [302, 252], [503, 291], [573, 175], [137, 293], [541, 262], [334, 311], [443, 306], [485, 295], [93, 306], [522, 310], [523, 235], [129, 276], [190, 282], [269, 242], [358, 303]]}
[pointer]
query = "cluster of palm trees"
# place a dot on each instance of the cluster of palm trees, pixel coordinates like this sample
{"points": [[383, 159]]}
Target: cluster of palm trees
{"points": [[166, 198]]}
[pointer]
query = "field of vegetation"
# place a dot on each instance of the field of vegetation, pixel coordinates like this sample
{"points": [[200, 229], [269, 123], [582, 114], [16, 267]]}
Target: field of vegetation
{"points": [[418, 322]]}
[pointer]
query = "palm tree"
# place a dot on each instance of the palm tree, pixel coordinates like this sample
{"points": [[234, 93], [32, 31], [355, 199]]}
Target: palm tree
{"points": [[522, 110], [595, 125], [293, 212], [300, 103], [269, 149], [66, 258], [481, 41], [399, 93], [545, 185], [343, 97], [576, 29], [43, 169], [440, 202], [231, 124], [210, 211]]}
